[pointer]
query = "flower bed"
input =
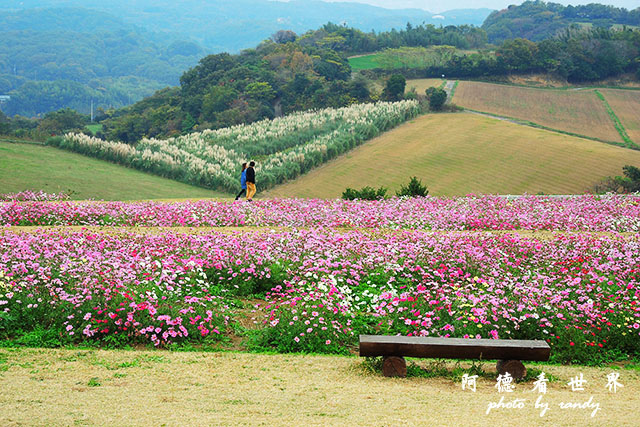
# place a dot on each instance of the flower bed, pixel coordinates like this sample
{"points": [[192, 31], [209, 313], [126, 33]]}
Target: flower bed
{"points": [[579, 213], [579, 292], [33, 196]]}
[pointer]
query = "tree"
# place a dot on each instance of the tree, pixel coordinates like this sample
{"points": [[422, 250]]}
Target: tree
{"points": [[631, 172], [284, 36], [413, 189], [260, 91], [61, 121], [437, 97], [218, 99], [359, 88], [519, 54], [394, 88], [5, 124]]}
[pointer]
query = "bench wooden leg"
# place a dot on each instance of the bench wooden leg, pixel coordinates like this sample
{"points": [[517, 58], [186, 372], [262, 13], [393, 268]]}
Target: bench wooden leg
{"points": [[394, 366], [515, 368]]}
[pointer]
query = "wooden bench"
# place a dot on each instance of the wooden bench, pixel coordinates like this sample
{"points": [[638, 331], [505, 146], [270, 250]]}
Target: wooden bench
{"points": [[509, 353]]}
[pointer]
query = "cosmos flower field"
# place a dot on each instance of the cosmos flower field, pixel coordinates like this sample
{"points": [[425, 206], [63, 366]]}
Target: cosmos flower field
{"points": [[565, 270]]}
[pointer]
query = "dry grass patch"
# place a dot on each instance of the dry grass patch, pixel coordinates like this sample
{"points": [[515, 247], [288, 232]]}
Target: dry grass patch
{"points": [[421, 85], [529, 234], [95, 387], [576, 111], [626, 105], [539, 80], [462, 153]]}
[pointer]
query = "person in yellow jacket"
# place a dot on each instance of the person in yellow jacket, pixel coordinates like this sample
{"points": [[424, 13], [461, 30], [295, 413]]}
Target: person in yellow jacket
{"points": [[251, 181]]}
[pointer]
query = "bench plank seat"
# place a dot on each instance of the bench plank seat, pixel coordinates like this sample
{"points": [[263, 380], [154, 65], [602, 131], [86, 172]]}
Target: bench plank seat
{"points": [[453, 348]]}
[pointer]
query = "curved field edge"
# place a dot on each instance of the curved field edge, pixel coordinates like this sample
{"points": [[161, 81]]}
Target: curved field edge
{"points": [[37, 167], [464, 153]]}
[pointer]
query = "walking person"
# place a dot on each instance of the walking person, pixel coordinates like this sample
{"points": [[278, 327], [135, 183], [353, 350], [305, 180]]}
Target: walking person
{"points": [[243, 181], [251, 181]]}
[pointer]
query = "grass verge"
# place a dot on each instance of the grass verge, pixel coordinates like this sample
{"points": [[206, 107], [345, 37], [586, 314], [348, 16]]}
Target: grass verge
{"points": [[616, 121]]}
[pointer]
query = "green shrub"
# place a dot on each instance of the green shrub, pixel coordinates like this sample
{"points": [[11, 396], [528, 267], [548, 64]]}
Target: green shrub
{"points": [[437, 98], [629, 183], [365, 193], [413, 189]]}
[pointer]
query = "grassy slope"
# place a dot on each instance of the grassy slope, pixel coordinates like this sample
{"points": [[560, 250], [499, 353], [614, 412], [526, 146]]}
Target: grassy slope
{"points": [[457, 154], [364, 62], [51, 387], [580, 112], [34, 167]]}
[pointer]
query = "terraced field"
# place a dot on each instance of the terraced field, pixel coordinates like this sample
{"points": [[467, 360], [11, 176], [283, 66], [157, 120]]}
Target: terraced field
{"points": [[457, 154], [575, 111]]}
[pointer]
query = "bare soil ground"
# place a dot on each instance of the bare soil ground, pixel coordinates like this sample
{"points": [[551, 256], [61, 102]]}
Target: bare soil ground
{"points": [[97, 387]]}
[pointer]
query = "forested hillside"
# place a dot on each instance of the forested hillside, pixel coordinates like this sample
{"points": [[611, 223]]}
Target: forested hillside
{"points": [[291, 73], [577, 56], [224, 90], [538, 20], [59, 58], [349, 40], [231, 26]]}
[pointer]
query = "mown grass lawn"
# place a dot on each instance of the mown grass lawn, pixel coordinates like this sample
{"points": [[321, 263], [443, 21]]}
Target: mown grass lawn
{"points": [[364, 62], [34, 167]]}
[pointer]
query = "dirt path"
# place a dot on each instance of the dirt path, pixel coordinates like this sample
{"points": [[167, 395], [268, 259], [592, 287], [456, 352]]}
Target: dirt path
{"points": [[533, 234], [96, 387], [448, 87], [494, 116]]}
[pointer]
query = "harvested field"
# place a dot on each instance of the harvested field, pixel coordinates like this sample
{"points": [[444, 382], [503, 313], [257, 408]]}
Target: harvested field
{"points": [[97, 387], [422, 85], [462, 153], [575, 111], [626, 104]]}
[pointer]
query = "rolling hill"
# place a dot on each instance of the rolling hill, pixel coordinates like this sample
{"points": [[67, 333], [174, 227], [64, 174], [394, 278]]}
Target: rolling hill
{"points": [[36, 167], [462, 153], [538, 20], [235, 25]]}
